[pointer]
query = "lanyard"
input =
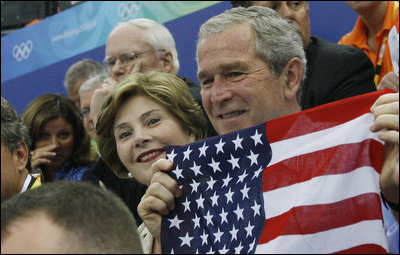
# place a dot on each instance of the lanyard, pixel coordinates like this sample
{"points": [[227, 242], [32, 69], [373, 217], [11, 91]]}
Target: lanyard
{"points": [[379, 64]]}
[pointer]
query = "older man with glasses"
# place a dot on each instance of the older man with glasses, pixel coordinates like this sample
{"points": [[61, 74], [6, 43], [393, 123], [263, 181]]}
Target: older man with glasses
{"points": [[140, 45]]}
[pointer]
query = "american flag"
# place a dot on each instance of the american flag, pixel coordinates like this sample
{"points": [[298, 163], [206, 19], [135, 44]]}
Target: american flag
{"points": [[304, 183]]}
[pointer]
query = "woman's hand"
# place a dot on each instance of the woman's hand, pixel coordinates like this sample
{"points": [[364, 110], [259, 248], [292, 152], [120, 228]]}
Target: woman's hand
{"points": [[42, 156], [159, 198]]}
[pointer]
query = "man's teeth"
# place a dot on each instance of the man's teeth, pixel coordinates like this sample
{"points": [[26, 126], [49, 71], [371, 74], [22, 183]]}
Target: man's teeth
{"points": [[230, 115], [149, 155]]}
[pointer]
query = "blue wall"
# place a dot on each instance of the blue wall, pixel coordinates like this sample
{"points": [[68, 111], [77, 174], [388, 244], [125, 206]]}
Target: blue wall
{"points": [[329, 20]]}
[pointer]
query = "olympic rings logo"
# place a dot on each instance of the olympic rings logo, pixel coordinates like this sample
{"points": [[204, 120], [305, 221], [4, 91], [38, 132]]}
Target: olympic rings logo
{"points": [[23, 50], [128, 10]]}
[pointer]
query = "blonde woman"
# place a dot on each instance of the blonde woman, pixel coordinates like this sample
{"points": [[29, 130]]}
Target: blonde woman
{"points": [[143, 114]]}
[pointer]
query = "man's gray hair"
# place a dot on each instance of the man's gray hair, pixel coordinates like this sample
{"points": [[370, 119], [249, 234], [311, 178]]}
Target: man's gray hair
{"points": [[158, 36], [276, 41], [80, 70], [13, 130], [93, 82]]}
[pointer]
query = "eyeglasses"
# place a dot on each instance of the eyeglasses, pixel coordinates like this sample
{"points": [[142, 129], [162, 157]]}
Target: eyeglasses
{"points": [[85, 112], [125, 58]]}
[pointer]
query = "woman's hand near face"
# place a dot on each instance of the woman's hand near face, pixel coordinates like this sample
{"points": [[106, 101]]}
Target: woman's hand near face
{"points": [[159, 198], [42, 156]]}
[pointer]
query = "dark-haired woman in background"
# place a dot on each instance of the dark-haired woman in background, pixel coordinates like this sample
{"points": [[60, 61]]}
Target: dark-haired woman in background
{"points": [[60, 145]]}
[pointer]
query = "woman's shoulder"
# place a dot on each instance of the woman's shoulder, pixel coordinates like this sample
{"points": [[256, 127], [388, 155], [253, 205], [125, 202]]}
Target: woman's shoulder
{"points": [[72, 172]]}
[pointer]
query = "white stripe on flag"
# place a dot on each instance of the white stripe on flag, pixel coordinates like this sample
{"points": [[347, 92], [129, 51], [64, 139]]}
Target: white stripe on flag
{"points": [[353, 131], [338, 239], [331, 188]]}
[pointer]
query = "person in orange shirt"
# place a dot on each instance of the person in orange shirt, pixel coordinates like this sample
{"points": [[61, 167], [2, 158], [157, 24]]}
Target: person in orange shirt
{"points": [[371, 31]]}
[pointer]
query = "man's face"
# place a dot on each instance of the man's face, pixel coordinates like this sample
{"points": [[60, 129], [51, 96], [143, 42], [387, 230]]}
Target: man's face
{"points": [[238, 90], [9, 174], [296, 12], [85, 98], [73, 93], [35, 233], [129, 38], [13, 169]]}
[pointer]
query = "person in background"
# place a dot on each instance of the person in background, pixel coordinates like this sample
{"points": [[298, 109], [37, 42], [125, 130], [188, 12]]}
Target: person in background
{"points": [[371, 33], [140, 45], [65, 217], [129, 190], [60, 145], [85, 95], [333, 71], [142, 115], [247, 84], [15, 176], [77, 74]]}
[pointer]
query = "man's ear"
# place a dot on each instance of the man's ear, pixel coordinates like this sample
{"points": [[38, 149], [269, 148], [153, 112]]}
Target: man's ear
{"points": [[293, 76], [21, 154], [167, 62]]}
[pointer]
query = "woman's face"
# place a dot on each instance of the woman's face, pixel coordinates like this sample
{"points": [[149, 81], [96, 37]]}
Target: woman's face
{"points": [[59, 133], [142, 130]]}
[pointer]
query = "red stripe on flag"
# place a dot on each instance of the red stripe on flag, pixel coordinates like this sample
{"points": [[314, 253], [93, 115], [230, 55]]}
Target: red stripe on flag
{"points": [[312, 219], [321, 117], [364, 249], [336, 160]]}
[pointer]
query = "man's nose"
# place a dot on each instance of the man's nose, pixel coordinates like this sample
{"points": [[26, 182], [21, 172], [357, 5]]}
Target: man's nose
{"points": [[117, 70], [285, 11], [220, 91]]}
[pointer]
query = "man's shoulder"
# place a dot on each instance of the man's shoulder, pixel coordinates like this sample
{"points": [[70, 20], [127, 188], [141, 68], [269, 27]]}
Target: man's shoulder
{"points": [[322, 47]]}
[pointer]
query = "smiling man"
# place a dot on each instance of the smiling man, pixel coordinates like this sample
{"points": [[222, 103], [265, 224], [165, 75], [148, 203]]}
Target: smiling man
{"points": [[334, 71], [239, 88]]}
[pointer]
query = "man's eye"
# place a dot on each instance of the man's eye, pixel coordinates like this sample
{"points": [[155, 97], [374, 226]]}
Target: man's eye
{"points": [[207, 82], [295, 4], [85, 111], [235, 75], [111, 61], [127, 57], [274, 6]]}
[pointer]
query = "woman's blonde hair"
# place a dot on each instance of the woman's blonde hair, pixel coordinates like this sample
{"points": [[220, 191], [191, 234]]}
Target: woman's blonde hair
{"points": [[166, 89]]}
